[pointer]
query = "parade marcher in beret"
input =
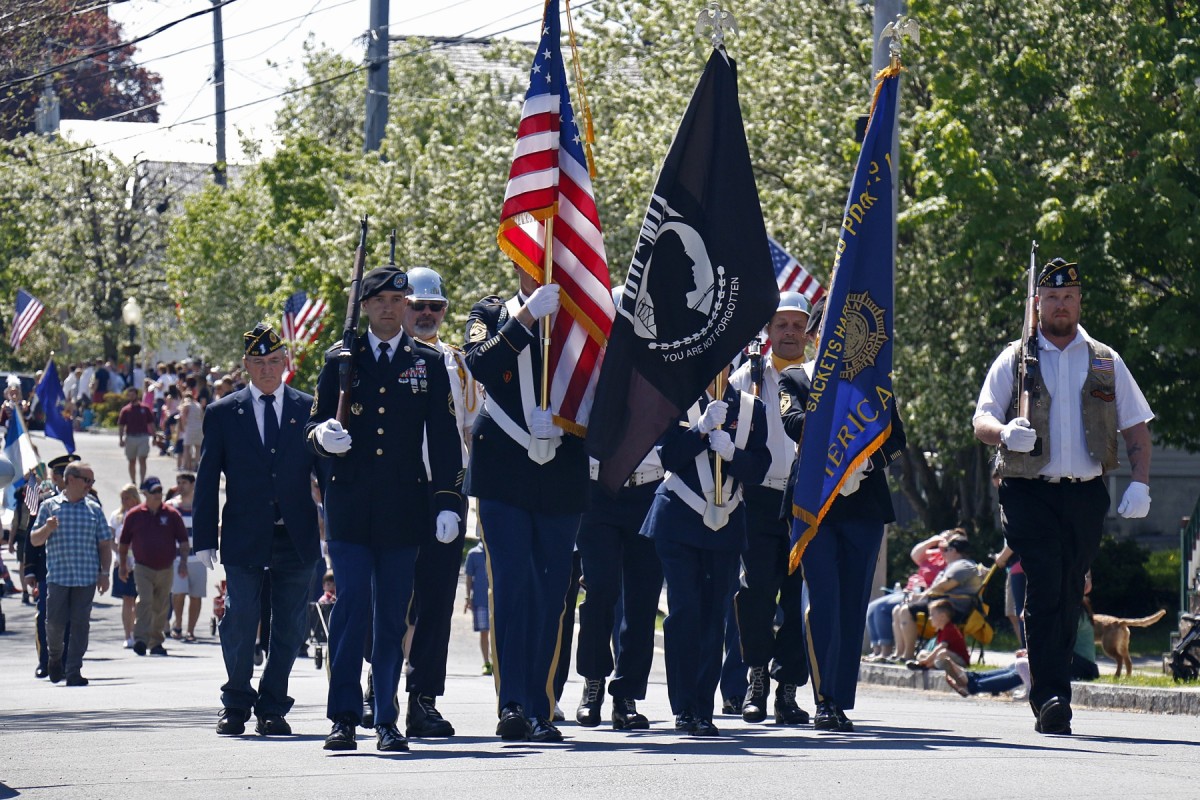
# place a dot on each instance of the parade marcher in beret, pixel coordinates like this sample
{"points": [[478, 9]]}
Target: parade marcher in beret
{"points": [[1051, 465], [379, 498], [268, 527]]}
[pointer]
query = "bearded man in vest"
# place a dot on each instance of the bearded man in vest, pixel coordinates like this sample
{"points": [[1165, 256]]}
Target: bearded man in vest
{"points": [[1051, 464]]}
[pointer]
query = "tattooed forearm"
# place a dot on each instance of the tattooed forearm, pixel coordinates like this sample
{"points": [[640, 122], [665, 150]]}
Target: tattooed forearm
{"points": [[1137, 445]]}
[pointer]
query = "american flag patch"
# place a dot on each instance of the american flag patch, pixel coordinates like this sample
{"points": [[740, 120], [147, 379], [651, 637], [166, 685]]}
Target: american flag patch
{"points": [[1102, 364]]}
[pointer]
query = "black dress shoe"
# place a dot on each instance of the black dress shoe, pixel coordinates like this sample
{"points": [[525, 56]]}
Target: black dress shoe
{"points": [[543, 730], [368, 717], [844, 723], [55, 671], [272, 725], [787, 710], [389, 739], [342, 735], [732, 706], [826, 717], [41, 672], [139, 647], [588, 713], [513, 727], [754, 709], [1054, 717], [77, 680], [625, 716], [703, 727], [232, 722], [424, 721], [684, 723]]}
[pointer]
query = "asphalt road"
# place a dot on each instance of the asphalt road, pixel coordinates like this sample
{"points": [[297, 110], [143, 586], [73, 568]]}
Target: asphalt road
{"points": [[144, 728]]}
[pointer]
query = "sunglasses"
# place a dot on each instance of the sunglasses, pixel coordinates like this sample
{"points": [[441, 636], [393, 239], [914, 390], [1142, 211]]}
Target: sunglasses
{"points": [[433, 305], [86, 481]]}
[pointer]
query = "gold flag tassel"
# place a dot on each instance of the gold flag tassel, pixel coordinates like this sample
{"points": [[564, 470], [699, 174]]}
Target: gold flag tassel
{"points": [[589, 135]]}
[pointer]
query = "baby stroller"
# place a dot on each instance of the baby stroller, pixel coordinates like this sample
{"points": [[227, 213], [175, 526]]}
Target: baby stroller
{"points": [[1185, 657], [218, 607], [318, 633]]}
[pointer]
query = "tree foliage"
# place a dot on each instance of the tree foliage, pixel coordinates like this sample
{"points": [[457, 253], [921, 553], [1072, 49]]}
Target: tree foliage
{"points": [[35, 35]]}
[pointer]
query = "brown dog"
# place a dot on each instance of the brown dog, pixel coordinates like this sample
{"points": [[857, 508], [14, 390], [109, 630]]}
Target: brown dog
{"points": [[1112, 634]]}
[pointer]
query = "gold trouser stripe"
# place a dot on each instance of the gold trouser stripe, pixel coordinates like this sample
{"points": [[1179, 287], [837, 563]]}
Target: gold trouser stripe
{"points": [[557, 650], [814, 666]]}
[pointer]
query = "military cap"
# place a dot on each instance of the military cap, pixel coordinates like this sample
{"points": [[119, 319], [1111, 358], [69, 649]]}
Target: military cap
{"points": [[389, 278], [1059, 273], [262, 340], [60, 463], [815, 316]]}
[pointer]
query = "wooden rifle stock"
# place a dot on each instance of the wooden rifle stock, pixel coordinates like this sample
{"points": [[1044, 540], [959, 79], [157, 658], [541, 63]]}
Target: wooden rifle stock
{"points": [[350, 330], [1029, 379]]}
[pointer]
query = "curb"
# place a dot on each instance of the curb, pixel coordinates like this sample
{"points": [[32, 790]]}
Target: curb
{"points": [[1083, 695]]}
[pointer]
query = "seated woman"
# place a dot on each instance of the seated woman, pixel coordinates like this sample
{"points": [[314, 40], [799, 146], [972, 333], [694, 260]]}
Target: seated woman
{"points": [[959, 582], [927, 555]]}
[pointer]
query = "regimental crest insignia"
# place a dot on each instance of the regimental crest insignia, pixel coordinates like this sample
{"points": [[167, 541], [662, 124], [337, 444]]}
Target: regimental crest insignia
{"points": [[507, 376], [356, 409], [313, 411], [478, 332], [785, 402], [863, 322]]}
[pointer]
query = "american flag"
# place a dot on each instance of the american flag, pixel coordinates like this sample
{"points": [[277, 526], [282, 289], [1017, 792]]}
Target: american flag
{"points": [[33, 496], [302, 324], [549, 179], [29, 311], [792, 277]]}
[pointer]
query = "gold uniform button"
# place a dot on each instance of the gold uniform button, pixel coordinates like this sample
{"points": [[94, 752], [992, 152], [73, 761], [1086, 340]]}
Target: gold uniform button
{"points": [[379, 431], [383, 390], [379, 452], [381, 409]]}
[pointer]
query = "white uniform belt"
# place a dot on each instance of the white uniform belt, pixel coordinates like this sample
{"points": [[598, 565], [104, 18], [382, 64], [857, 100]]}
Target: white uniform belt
{"points": [[779, 484], [639, 478]]}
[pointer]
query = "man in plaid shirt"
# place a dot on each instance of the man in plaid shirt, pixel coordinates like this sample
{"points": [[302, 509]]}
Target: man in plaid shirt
{"points": [[76, 535]]}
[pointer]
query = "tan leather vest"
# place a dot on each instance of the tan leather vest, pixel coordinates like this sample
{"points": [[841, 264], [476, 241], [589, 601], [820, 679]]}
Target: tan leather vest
{"points": [[1099, 406]]}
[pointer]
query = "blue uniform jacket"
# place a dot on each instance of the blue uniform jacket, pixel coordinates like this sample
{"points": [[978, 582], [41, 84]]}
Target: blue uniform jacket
{"points": [[873, 500], [670, 517], [256, 482], [377, 493], [500, 468]]}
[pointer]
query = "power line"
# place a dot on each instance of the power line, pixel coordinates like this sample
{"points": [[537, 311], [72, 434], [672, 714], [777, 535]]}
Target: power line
{"points": [[110, 48]]}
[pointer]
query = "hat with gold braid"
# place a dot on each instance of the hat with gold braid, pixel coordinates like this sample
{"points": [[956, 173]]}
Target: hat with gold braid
{"points": [[262, 340], [1059, 273]]}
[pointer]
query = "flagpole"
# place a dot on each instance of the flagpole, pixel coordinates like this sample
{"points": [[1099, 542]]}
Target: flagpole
{"points": [[548, 269], [718, 489]]}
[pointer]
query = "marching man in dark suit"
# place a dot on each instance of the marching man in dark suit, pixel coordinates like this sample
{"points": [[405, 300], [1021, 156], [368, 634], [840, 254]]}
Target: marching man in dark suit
{"points": [[378, 498], [531, 494], [269, 524]]}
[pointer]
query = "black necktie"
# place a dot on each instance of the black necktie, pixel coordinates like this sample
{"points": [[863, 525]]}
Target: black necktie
{"points": [[383, 354], [270, 423]]}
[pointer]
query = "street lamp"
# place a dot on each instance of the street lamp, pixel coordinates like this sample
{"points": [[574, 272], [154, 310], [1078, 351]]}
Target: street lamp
{"points": [[131, 314]]}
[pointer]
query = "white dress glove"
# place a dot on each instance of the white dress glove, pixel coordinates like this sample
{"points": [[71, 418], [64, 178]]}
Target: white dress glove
{"points": [[1136, 502], [543, 301], [1018, 436], [447, 527], [714, 416], [332, 437], [208, 557], [541, 424], [720, 443], [854, 479]]}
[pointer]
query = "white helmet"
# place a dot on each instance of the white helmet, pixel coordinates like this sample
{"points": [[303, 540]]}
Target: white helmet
{"points": [[425, 285], [788, 301]]}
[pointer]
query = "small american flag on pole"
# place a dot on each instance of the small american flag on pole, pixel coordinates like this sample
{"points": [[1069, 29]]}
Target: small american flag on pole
{"points": [[549, 179], [792, 277], [29, 311], [302, 324]]}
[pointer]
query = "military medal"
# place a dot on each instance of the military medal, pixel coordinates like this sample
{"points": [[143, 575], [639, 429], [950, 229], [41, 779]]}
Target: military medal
{"points": [[356, 409]]}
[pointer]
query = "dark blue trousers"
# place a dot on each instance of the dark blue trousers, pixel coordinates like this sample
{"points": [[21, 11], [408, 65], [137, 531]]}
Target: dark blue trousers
{"points": [[733, 669], [434, 588], [700, 585], [529, 564], [375, 585], [838, 566], [620, 568], [288, 590]]}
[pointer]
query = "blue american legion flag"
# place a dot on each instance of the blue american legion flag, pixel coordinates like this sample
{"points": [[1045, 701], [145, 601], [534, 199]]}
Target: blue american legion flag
{"points": [[303, 321], [29, 311], [791, 276], [849, 410]]}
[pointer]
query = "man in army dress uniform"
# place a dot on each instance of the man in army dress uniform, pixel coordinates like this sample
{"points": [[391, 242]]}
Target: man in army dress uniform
{"points": [[378, 498]]}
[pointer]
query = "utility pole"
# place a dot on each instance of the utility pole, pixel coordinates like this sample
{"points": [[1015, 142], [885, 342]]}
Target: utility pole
{"points": [[46, 116], [219, 83], [887, 11], [375, 124]]}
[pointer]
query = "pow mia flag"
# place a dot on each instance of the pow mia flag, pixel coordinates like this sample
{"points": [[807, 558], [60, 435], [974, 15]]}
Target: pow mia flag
{"points": [[700, 285]]}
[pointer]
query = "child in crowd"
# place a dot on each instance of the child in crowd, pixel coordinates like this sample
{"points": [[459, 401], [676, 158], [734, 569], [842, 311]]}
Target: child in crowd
{"points": [[330, 587], [948, 646]]}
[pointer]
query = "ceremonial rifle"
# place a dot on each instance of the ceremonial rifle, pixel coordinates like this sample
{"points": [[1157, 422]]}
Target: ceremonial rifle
{"points": [[755, 352], [350, 331], [1029, 377]]}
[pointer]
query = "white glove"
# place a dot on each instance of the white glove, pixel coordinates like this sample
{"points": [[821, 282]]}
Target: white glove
{"points": [[543, 301], [1018, 436], [714, 416], [720, 443], [541, 424], [1136, 502], [447, 527], [208, 557], [854, 480], [332, 437]]}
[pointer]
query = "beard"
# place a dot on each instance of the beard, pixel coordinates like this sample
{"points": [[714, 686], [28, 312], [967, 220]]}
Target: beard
{"points": [[425, 330], [1061, 327]]}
